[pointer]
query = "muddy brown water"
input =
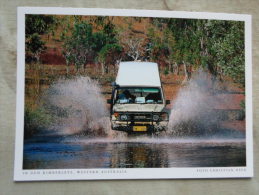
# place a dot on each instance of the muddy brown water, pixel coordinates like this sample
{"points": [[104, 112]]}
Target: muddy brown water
{"points": [[64, 152]]}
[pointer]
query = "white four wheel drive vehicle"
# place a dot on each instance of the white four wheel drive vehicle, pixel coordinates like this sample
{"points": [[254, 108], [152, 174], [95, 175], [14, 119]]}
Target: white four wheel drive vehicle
{"points": [[137, 102]]}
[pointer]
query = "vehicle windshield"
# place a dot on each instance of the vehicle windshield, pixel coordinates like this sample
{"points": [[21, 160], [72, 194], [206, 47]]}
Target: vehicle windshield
{"points": [[137, 95]]}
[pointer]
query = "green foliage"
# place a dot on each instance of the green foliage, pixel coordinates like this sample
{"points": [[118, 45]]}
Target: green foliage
{"points": [[228, 49], [109, 31], [217, 46], [243, 104], [36, 25], [214, 45], [109, 55], [84, 45], [166, 71], [35, 120], [40, 24], [34, 45], [243, 111], [79, 47], [187, 41], [161, 44]]}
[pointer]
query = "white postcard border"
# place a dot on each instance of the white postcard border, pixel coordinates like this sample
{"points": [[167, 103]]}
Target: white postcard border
{"points": [[128, 173]]}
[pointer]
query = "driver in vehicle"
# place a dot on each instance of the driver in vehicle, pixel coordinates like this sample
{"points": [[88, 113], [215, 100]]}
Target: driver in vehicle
{"points": [[126, 96]]}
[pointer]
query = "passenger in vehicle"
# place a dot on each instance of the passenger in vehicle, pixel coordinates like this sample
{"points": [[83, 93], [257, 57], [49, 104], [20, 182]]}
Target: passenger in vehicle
{"points": [[154, 97]]}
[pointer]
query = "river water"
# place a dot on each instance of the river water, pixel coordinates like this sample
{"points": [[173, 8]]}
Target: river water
{"points": [[83, 107], [64, 152]]}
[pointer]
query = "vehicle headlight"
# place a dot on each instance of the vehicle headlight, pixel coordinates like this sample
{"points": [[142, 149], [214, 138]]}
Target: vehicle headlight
{"points": [[164, 116], [155, 117], [115, 115], [124, 117]]}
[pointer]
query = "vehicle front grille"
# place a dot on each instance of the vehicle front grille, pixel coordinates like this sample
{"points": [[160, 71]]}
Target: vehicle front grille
{"points": [[140, 117]]}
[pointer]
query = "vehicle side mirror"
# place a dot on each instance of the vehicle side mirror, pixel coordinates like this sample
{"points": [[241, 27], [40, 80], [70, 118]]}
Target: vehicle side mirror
{"points": [[113, 84], [109, 101], [167, 102]]}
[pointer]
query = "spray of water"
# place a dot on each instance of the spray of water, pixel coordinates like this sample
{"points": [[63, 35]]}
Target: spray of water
{"points": [[78, 107], [192, 112]]}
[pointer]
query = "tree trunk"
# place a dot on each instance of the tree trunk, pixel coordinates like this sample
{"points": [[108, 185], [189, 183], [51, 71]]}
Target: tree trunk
{"points": [[185, 74], [102, 67], [189, 72], [169, 67], [37, 74], [84, 67], [176, 68], [213, 81], [106, 67], [77, 68], [67, 68], [114, 67]]}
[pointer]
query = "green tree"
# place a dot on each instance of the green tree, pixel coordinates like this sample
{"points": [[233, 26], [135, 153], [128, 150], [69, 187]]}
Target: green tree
{"points": [[78, 48], [34, 46], [85, 44], [110, 54], [226, 49], [40, 24], [35, 26], [216, 46], [160, 47], [186, 48]]}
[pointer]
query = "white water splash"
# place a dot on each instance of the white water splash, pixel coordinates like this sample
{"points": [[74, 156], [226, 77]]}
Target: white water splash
{"points": [[78, 106], [193, 113]]}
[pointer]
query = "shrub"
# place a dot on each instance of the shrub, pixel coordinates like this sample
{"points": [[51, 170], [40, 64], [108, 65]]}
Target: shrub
{"points": [[35, 120], [166, 71]]}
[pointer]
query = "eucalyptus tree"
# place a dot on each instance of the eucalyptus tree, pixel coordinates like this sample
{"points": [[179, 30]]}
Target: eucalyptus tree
{"points": [[226, 46], [109, 55], [87, 43], [214, 45], [160, 47], [35, 26]]}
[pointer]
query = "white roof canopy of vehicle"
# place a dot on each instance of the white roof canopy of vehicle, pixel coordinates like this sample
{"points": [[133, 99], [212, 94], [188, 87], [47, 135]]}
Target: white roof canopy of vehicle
{"points": [[138, 74]]}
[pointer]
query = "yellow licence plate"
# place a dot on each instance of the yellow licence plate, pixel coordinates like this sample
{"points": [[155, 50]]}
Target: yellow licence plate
{"points": [[139, 128]]}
